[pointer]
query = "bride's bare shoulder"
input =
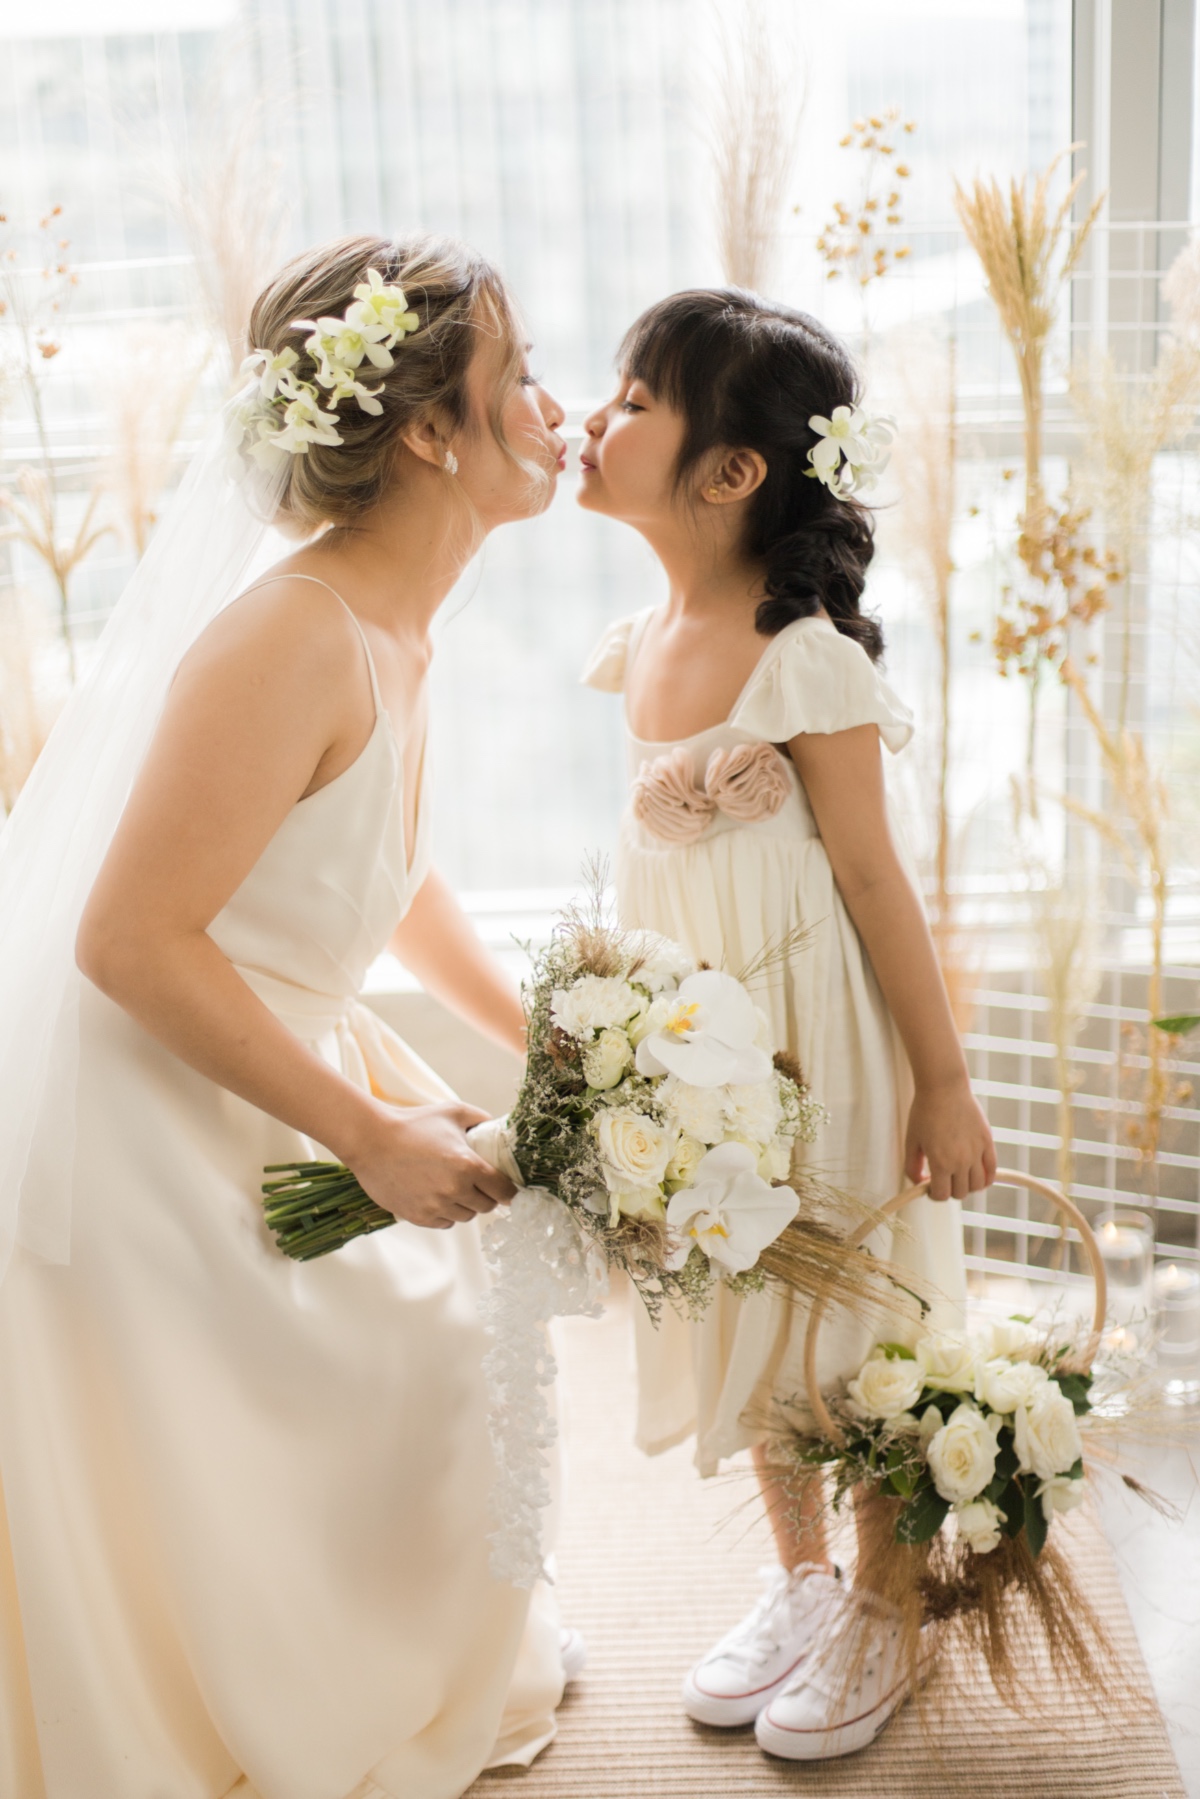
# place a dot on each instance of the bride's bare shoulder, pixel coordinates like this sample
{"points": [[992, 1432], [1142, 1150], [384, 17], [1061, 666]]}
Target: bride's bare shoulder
{"points": [[285, 629]]}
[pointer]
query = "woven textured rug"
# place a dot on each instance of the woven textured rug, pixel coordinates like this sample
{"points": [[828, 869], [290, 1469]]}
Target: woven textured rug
{"points": [[655, 1564]]}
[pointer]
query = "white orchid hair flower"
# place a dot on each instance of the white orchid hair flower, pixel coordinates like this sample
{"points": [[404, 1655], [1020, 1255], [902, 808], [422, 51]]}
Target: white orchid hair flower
{"points": [[280, 414], [851, 451]]}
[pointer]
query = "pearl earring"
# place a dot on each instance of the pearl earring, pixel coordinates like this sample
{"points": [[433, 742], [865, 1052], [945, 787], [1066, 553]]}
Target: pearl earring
{"points": [[451, 463]]}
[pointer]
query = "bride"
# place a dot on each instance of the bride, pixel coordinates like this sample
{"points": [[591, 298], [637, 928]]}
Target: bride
{"points": [[242, 1500]]}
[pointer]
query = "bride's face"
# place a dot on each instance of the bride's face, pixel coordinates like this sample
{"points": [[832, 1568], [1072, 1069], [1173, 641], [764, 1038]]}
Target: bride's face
{"points": [[630, 453], [490, 475]]}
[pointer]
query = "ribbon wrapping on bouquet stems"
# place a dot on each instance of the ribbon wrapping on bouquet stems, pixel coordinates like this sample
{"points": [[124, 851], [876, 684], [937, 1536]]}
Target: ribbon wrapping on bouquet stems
{"points": [[542, 1267]]}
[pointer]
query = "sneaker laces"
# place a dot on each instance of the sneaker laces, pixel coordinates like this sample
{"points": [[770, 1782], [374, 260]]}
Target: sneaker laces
{"points": [[790, 1594], [852, 1639]]}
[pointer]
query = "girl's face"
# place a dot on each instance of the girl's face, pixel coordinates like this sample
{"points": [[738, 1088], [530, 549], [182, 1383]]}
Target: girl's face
{"points": [[499, 489], [630, 452]]}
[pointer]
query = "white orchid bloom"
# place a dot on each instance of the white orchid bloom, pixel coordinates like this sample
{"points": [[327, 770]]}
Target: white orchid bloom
{"points": [[852, 450], [377, 303], [339, 348], [305, 423], [272, 373], [709, 1034], [348, 388], [729, 1210]]}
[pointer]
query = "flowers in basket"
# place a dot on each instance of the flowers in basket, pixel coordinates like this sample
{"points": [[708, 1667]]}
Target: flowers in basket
{"points": [[981, 1429]]}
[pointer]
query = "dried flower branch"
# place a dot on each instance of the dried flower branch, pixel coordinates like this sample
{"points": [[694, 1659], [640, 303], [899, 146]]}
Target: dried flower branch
{"points": [[1065, 934], [1130, 420], [851, 243], [25, 714], [922, 529], [756, 122], [31, 312], [1139, 834]]}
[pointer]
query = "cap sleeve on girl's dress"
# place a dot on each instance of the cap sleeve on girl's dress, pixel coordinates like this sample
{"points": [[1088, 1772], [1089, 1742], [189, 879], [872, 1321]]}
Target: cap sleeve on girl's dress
{"points": [[820, 681], [606, 665]]}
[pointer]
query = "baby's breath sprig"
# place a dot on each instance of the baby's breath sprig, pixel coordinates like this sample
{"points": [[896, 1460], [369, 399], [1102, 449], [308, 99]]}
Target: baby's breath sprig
{"points": [[851, 243]]}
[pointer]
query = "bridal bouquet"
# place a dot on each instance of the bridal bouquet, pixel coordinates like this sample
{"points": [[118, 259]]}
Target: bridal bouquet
{"points": [[653, 1107]]}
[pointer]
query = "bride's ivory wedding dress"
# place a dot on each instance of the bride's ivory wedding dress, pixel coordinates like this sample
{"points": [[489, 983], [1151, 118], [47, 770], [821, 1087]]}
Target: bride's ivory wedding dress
{"points": [[243, 1512]]}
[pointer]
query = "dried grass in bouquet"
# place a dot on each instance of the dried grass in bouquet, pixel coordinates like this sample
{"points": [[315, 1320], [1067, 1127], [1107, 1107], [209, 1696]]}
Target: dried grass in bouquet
{"points": [[966, 1448]]}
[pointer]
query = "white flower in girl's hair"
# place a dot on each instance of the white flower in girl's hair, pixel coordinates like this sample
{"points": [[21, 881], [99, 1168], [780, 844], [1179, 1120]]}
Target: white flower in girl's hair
{"points": [[709, 1036], [852, 450], [729, 1210]]}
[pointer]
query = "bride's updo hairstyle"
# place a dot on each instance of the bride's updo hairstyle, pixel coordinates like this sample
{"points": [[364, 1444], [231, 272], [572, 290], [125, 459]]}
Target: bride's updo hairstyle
{"points": [[458, 297], [746, 373]]}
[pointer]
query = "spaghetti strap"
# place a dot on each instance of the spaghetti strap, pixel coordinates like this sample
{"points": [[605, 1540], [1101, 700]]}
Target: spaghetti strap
{"points": [[380, 709]]}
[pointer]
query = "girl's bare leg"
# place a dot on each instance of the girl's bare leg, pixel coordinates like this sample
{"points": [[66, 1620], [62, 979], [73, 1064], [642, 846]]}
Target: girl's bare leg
{"points": [[796, 1507]]}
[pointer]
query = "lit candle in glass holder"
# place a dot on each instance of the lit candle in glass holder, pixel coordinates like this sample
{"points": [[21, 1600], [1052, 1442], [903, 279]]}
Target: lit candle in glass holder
{"points": [[1177, 1301], [1126, 1243]]}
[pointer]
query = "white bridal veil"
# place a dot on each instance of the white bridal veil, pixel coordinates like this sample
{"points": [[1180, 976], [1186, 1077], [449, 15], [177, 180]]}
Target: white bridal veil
{"points": [[51, 847]]}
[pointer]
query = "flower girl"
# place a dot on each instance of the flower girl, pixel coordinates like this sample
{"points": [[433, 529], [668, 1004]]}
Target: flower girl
{"points": [[755, 713]]}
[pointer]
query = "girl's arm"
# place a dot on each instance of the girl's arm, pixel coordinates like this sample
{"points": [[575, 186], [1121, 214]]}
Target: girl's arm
{"points": [[274, 694], [438, 942], [947, 1131]]}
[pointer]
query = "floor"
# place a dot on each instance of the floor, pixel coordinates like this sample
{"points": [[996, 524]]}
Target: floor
{"points": [[1158, 1560]]}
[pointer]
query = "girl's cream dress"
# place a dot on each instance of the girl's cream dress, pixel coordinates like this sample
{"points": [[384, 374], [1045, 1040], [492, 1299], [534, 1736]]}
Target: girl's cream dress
{"points": [[244, 1500], [719, 850]]}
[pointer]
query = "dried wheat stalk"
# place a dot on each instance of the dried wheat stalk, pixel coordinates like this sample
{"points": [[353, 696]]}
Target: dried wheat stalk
{"points": [[758, 106], [155, 381]]}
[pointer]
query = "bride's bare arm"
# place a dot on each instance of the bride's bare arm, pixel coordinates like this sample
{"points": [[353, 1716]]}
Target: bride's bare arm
{"points": [[273, 701], [438, 942]]}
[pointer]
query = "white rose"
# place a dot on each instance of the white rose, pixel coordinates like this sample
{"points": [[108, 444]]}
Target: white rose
{"points": [[1010, 1336], [627, 1201], [698, 1112], [948, 1362], [885, 1386], [591, 1003], [606, 1059], [1060, 1494], [1046, 1433], [775, 1163], [1002, 1385], [754, 1111], [689, 1153], [634, 1149], [979, 1525], [962, 1455], [931, 1423], [664, 964]]}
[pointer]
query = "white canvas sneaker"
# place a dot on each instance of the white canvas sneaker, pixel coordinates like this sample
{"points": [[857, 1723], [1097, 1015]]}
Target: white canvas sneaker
{"points": [[844, 1692], [753, 1661]]}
